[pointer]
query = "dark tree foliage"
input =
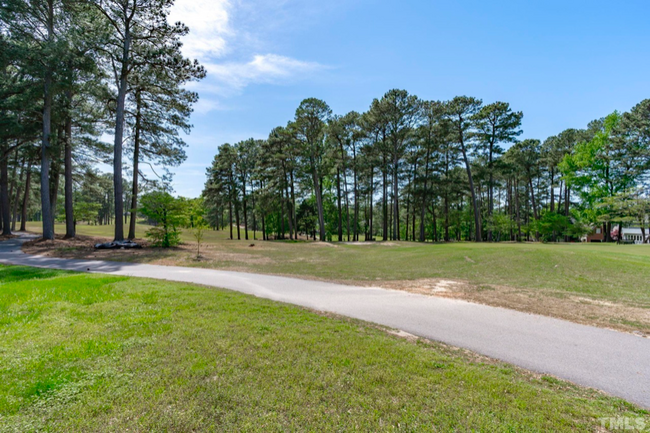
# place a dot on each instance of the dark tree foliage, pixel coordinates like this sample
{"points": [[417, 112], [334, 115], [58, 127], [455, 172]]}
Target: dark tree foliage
{"points": [[71, 70], [418, 170]]}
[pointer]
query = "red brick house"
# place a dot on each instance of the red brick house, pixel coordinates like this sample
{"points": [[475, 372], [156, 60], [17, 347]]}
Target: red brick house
{"points": [[596, 235]]}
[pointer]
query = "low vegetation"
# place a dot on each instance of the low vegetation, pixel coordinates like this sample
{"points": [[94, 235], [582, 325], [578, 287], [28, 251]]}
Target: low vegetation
{"points": [[598, 284], [91, 353]]}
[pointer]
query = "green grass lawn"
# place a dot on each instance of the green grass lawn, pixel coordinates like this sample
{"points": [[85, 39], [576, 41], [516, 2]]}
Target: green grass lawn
{"points": [[617, 273], [102, 353]]}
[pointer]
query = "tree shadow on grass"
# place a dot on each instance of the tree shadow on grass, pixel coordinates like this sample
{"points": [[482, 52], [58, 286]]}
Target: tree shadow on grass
{"points": [[10, 274]]}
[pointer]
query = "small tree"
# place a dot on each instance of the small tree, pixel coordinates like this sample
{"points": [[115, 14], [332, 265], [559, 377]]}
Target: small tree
{"points": [[167, 213], [197, 232]]}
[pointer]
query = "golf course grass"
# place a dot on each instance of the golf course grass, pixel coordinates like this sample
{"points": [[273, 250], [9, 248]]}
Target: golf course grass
{"points": [[607, 272], [103, 353]]}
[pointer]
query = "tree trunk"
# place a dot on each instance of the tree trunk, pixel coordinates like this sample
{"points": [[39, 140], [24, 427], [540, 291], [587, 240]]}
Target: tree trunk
{"points": [[347, 201], [230, 212], [119, 136], [372, 182], [424, 197], [477, 215], [339, 206], [532, 197], [23, 216], [567, 200], [13, 179], [510, 207], [319, 203], [396, 219], [490, 191], [69, 206], [237, 219], [385, 201], [136, 164], [413, 216], [48, 223], [4, 197], [446, 195], [245, 208], [55, 174], [517, 209], [287, 203], [552, 191], [14, 211], [447, 238], [390, 220], [293, 202], [435, 222], [356, 198], [254, 221]]}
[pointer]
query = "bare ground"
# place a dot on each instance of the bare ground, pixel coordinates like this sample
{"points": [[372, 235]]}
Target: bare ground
{"points": [[562, 305], [82, 247], [552, 303]]}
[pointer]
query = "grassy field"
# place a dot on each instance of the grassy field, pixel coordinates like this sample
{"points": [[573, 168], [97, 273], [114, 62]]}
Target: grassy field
{"points": [[100, 353], [611, 272], [600, 284]]}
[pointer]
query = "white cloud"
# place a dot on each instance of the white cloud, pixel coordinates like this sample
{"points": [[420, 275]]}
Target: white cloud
{"points": [[209, 23], [222, 32], [263, 68], [205, 105]]}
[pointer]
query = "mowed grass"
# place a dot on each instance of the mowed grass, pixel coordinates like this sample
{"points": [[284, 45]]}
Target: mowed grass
{"points": [[617, 273], [102, 353]]}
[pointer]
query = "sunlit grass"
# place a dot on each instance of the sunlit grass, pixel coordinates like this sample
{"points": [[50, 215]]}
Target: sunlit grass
{"points": [[104, 353], [618, 273]]}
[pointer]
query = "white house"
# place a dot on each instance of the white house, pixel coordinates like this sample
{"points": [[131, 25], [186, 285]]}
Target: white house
{"points": [[633, 234]]}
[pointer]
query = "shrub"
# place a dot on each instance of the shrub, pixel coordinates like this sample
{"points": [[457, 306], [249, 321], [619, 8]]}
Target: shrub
{"points": [[167, 214]]}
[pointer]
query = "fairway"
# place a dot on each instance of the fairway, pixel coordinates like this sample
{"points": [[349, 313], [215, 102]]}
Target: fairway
{"points": [[613, 272], [600, 284], [81, 353]]}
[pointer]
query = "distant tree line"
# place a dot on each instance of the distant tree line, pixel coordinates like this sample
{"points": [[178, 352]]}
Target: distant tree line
{"points": [[71, 71], [409, 169]]}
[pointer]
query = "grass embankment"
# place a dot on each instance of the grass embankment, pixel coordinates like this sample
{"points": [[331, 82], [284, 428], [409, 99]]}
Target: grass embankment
{"points": [[102, 353], [599, 284]]}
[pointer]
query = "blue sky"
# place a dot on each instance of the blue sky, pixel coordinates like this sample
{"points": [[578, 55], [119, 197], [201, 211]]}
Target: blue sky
{"points": [[561, 63]]}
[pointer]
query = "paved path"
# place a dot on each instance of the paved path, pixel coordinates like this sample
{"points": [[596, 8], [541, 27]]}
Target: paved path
{"points": [[614, 362]]}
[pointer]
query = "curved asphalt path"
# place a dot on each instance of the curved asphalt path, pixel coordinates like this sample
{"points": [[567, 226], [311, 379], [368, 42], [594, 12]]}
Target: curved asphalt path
{"points": [[615, 362]]}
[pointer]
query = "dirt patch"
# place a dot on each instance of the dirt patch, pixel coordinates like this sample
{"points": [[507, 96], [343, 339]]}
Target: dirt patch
{"points": [[186, 252], [403, 334], [578, 309], [83, 247], [429, 286]]}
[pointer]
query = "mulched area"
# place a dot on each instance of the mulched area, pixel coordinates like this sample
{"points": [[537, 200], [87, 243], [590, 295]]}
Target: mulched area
{"points": [[78, 247]]}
